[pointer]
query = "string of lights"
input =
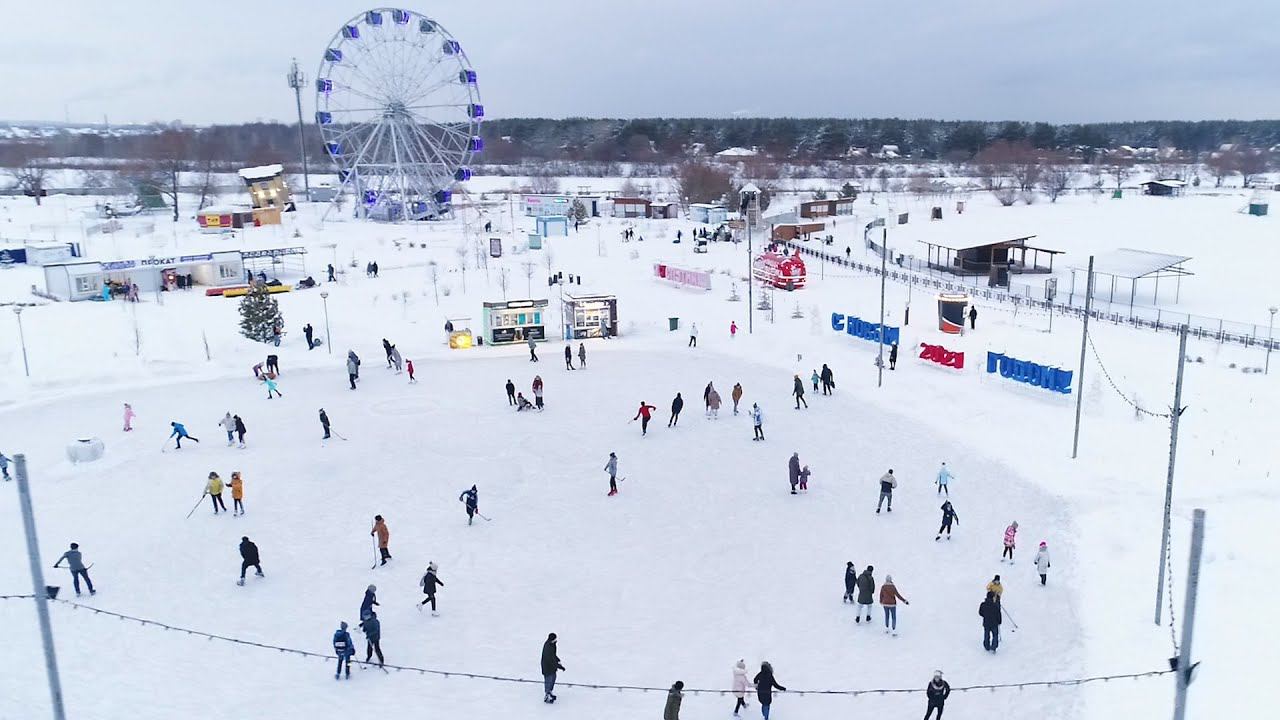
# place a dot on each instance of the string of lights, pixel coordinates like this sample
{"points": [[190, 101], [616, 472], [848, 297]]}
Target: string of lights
{"points": [[1115, 387]]}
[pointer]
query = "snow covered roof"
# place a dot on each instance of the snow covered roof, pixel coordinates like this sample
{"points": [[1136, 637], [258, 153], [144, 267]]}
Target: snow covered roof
{"points": [[1133, 264], [261, 172], [971, 243], [1166, 183], [737, 152]]}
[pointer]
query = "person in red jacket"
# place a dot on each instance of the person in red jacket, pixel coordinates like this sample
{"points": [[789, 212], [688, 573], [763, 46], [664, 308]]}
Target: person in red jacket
{"points": [[643, 416], [409, 366]]}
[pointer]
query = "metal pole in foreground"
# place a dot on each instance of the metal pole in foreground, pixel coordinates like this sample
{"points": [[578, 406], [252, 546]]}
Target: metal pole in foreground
{"points": [[328, 337], [22, 339], [38, 586], [1084, 341], [884, 252], [1173, 454], [1266, 370], [1189, 616]]}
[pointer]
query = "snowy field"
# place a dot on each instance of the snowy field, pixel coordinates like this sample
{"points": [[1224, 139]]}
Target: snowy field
{"points": [[703, 558]]}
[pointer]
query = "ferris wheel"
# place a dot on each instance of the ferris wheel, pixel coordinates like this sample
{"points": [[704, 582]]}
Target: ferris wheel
{"points": [[399, 111]]}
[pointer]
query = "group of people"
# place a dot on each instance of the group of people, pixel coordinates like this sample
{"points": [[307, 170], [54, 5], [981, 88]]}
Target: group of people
{"points": [[825, 379], [215, 486], [519, 401], [860, 591]]}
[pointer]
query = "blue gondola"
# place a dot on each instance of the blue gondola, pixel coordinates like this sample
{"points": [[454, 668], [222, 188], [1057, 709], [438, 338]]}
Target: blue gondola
{"points": [[323, 118], [333, 148], [451, 47], [462, 174], [324, 85], [343, 175], [477, 144], [426, 26], [400, 17], [373, 17], [333, 55], [350, 32], [475, 111], [467, 77], [444, 197]]}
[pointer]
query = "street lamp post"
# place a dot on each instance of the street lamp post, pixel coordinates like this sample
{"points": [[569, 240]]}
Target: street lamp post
{"points": [[749, 194], [22, 339], [328, 336], [1266, 370]]}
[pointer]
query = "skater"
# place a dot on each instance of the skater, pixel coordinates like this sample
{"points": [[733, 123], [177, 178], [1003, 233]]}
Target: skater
{"points": [[765, 685], [1042, 562], [713, 403], [240, 429], [814, 378], [550, 665], [511, 392], [353, 368], [372, 629], [237, 494], [757, 420], [75, 563], [331, 277], [887, 483], [889, 598], [793, 471], [736, 394], [324, 423], [568, 357], [429, 582], [397, 360], [828, 380], [973, 317], [1010, 541], [249, 559], [991, 616], [937, 692], [214, 490], [671, 711], [257, 370], [386, 349], [533, 350], [693, 335], [643, 416], [804, 479], [739, 686], [948, 516], [277, 333], [271, 386], [733, 333], [384, 537], [797, 389], [471, 498], [343, 647], [273, 364], [848, 251], [866, 591], [944, 477], [996, 587], [522, 403], [408, 365], [893, 356], [582, 356], [850, 582], [179, 433], [611, 467], [370, 599], [229, 424], [309, 333], [706, 397], [128, 417], [374, 266], [4, 466], [537, 390]]}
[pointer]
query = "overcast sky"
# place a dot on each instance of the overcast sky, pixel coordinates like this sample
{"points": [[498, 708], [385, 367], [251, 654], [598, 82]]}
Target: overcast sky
{"points": [[1055, 60]]}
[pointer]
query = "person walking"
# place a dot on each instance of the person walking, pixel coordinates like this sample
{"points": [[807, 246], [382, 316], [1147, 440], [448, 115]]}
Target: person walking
{"points": [[936, 692], [582, 355], [733, 333], [408, 365], [889, 598], [815, 378], [757, 420], [866, 591], [309, 333], [128, 417], [331, 271], [237, 494], [893, 356], [471, 500], [429, 582], [766, 683], [804, 479], [324, 423], [384, 538], [828, 380], [643, 416], [511, 392], [973, 317], [370, 599], [693, 335], [372, 628], [240, 429], [991, 616], [739, 686], [797, 389], [214, 490], [75, 563], [568, 357], [386, 350], [706, 397], [944, 478], [1010, 541], [736, 394], [793, 471], [550, 665], [677, 404], [887, 483], [713, 404], [671, 711], [948, 516], [249, 559], [343, 647], [353, 368], [611, 467], [228, 424], [533, 349], [850, 582], [397, 360], [848, 252], [1042, 562], [271, 386], [537, 390]]}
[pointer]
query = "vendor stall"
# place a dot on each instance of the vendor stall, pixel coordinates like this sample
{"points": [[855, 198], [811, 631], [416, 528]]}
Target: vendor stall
{"points": [[514, 321], [590, 316]]}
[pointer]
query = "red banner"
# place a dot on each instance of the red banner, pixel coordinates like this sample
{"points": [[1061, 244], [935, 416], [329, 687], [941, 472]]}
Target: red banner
{"points": [[942, 356]]}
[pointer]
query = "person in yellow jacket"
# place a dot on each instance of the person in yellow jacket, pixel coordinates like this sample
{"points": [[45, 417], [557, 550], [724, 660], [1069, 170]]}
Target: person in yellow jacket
{"points": [[995, 587], [237, 494], [214, 491]]}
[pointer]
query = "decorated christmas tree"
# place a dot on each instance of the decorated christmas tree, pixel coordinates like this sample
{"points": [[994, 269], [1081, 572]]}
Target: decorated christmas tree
{"points": [[259, 314]]}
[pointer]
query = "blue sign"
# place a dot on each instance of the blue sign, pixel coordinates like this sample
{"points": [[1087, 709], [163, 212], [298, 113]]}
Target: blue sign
{"points": [[1025, 371], [865, 330]]}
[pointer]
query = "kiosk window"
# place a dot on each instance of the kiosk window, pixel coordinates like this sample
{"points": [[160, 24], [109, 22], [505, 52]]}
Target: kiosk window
{"points": [[86, 283], [226, 271]]}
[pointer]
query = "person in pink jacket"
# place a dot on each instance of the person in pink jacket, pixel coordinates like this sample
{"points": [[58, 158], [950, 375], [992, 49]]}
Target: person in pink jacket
{"points": [[1010, 540], [128, 417]]}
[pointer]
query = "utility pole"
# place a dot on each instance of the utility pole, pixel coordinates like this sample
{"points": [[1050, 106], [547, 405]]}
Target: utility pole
{"points": [[1084, 342], [1173, 454], [884, 253], [296, 80], [750, 193], [1184, 665], [38, 586]]}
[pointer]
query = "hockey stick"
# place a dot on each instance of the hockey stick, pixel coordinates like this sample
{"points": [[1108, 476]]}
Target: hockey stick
{"points": [[1009, 617], [335, 434], [376, 555], [193, 510]]}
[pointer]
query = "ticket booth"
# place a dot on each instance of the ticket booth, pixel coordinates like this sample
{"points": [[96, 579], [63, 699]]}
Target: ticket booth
{"points": [[591, 316], [514, 321]]}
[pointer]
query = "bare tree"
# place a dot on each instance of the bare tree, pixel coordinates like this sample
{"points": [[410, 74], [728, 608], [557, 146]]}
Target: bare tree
{"points": [[700, 182], [172, 152], [1222, 165], [433, 270], [1057, 178], [1121, 169], [462, 251], [529, 269], [1006, 195], [1250, 163], [28, 174], [628, 188], [504, 279], [544, 183]]}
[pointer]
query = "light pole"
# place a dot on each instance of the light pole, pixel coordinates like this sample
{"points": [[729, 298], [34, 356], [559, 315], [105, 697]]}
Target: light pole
{"points": [[296, 80], [749, 194], [40, 591], [22, 338], [328, 336], [1266, 370]]}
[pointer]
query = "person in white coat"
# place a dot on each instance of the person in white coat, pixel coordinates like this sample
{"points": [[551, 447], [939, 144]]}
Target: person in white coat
{"points": [[228, 424], [1042, 562], [944, 477], [693, 335], [757, 420], [740, 686]]}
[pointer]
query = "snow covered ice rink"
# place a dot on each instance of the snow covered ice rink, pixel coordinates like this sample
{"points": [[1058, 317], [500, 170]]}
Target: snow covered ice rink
{"points": [[703, 558]]}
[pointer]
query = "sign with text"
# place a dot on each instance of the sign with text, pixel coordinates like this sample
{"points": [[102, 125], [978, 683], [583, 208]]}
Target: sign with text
{"points": [[942, 356], [861, 329], [680, 276], [1025, 371]]}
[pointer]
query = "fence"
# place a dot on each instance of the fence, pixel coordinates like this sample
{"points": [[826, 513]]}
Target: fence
{"points": [[1024, 295]]}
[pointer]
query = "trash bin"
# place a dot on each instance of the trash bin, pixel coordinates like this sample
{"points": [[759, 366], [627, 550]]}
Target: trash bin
{"points": [[673, 324]]}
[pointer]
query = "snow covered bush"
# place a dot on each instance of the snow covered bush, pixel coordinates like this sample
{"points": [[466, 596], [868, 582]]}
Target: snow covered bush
{"points": [[259, 314]]}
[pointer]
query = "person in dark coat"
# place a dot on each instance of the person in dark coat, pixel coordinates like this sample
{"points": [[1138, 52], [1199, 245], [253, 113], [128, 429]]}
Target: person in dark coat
{"points": [[866, 593], [973, 317], [240, 428], [937, 692], [248, 558], [568, 357], [550, 664], [372, 628], [676, 406], [765, 685], [472, 500], [674, 697], [793, 470], [309, 332], [948, 515], [991, 616], [331, 278], [828, 379], [429, 582], [370, 599], [386, 348], [797, 389], [850, 581], [893, 356], [511, 392], [343, 647], [324, 423]]}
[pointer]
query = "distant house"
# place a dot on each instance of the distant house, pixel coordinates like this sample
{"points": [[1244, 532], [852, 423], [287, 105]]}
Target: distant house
{"points": [[1164, 188], [630, 207], [793, 231], [664, 210], [708, 213], [737, 152], [267, 188], [826, 208]]}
